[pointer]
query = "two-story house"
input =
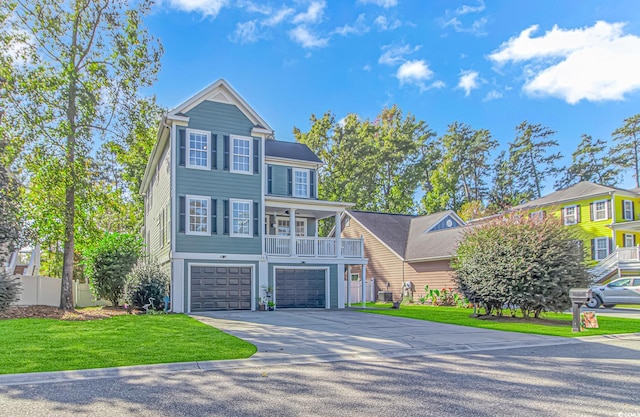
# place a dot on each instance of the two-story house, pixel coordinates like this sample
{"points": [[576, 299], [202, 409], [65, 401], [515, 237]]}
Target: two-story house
{"points": [[607, 220], [232, 214]]}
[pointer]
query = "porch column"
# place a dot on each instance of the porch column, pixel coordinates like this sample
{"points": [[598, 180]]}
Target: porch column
{"points": [[349, 285], [292, 230], [340, 288], [338, 230], [364, 285]]}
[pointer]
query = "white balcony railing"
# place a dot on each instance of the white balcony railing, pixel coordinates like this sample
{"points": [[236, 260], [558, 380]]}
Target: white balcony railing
{"points": [[313, 247], [620, 258]]}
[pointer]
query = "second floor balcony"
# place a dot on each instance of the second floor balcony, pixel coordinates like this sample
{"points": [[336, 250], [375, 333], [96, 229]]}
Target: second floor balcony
{"points": [[311, 246]]}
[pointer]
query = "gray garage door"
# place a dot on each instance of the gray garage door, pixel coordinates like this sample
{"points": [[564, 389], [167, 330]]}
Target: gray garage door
{"points": [[300, 288], [220, 288]]}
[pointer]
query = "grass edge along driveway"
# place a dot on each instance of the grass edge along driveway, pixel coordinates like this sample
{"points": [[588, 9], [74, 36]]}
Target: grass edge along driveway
{"points": [[42, 345], [461, 317]]}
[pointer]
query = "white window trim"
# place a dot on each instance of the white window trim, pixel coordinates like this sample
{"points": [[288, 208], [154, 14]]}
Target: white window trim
{"points": [[306, 171], [231, 155], [606, 210], [624, 209], [250, 203], [624, 239], [188, 149], [187, 229], [595, 250], [575, 215], [298, 219]]}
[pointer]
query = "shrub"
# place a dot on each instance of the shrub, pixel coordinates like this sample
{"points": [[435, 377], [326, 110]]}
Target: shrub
{"points": [[145, 281], [109, 262], [520, 264], [9, 290]]}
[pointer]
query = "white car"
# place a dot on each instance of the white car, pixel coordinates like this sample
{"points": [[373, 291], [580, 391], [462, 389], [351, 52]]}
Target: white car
{"points": [[619, 291]]}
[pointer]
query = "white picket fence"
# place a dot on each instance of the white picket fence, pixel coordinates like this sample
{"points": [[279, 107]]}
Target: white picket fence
{"points": [[45, 291], [356, 290]]}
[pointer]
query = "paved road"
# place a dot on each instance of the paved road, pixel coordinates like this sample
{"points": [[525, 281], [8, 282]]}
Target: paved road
{"points": [[597, 378], [622, 311]]}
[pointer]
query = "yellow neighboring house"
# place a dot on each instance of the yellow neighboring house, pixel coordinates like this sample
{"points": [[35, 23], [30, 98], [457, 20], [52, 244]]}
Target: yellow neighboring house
{"points": [[607, 218]]}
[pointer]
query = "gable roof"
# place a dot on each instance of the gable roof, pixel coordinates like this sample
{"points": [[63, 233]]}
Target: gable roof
{"points": [[410, 237], [390, 229], [221, 91], [581, 190], [290, 150]]}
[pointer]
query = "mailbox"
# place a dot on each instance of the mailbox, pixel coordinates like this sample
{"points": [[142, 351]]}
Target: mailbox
{"points": [[580, 295]]}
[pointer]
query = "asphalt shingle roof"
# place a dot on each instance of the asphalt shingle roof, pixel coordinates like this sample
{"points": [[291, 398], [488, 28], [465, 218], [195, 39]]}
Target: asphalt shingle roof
{"points": [[583, 189], [290, 150], [406, 236]]}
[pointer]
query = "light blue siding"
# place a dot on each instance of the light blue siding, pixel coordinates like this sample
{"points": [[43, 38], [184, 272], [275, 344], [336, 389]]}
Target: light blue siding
{"points": [[219, 119]]}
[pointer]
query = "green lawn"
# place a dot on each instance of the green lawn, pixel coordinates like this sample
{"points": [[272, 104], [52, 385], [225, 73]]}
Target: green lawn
{"points": [[461, 316], [39, 345]]}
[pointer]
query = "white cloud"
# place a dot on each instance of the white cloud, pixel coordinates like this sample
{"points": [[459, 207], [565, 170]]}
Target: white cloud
{"points": [[469, 80], [206, 7], [464, 9], [383, 24], [246, 32], [304, 37], [367, 68], [417, 73], [452, 19], [492, 95], [395, 54], [358, 28], [382, 3], [278, 16], [594, 63], [314, 13]]}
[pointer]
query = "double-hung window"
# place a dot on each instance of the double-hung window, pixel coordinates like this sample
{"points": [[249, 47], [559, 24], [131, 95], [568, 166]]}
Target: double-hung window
{"points": [[627, 210], [284, 227], [600, 210], [198, 215], [601, 248], [570, 215], [241, 154], [198, 146], [301, 183], [629, 240], [241, 218]]}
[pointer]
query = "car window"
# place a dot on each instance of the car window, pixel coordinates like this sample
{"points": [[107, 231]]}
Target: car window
{"points": [[619, 283], [636, 282]]}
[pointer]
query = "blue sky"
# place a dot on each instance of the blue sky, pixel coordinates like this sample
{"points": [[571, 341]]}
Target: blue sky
{"points": [[573, 66]]}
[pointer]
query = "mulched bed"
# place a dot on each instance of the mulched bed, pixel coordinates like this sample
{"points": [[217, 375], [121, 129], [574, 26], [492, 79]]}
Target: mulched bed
{"points": [[46, 312]]}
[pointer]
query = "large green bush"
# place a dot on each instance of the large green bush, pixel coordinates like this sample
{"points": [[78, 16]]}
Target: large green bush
{"points": [[145, 281], [109, 262], [520, 263], [9, 289]]}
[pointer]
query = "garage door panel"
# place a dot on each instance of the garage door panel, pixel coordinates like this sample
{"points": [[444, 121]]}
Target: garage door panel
{"points": [[220, 288], [300, 288]]}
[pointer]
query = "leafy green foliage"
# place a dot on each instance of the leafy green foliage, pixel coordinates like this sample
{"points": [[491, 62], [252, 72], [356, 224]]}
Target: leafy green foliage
{"points": [[626, 152], [9, 289], [109, 262], [590, 162], [74, 65], [10, 210], [520, 263], [145, 281], [377, 164]]}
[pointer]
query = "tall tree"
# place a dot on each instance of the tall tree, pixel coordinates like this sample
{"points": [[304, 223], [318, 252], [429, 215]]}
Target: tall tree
{"points": [[460, 175], [376, 164], [72, 64], [530, 156], [590, 162], [626, 152], [505, 192]]}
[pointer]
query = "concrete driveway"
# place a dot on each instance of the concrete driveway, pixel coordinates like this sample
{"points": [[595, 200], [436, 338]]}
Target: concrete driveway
{"points": [[345, 334]]}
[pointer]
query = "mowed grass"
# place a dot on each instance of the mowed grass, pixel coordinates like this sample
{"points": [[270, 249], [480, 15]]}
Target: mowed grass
{"points": [[40, 345], [550, 324]]}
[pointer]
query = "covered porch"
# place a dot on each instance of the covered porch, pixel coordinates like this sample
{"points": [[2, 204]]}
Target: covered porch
{"points": [[303, 240]]}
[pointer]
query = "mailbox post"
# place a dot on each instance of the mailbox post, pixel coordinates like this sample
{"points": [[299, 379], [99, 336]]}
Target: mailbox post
{"points": [[578, 297]]}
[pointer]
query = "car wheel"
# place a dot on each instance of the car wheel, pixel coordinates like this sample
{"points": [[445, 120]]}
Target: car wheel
{"points": [[594, 302], [609, 305]]}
